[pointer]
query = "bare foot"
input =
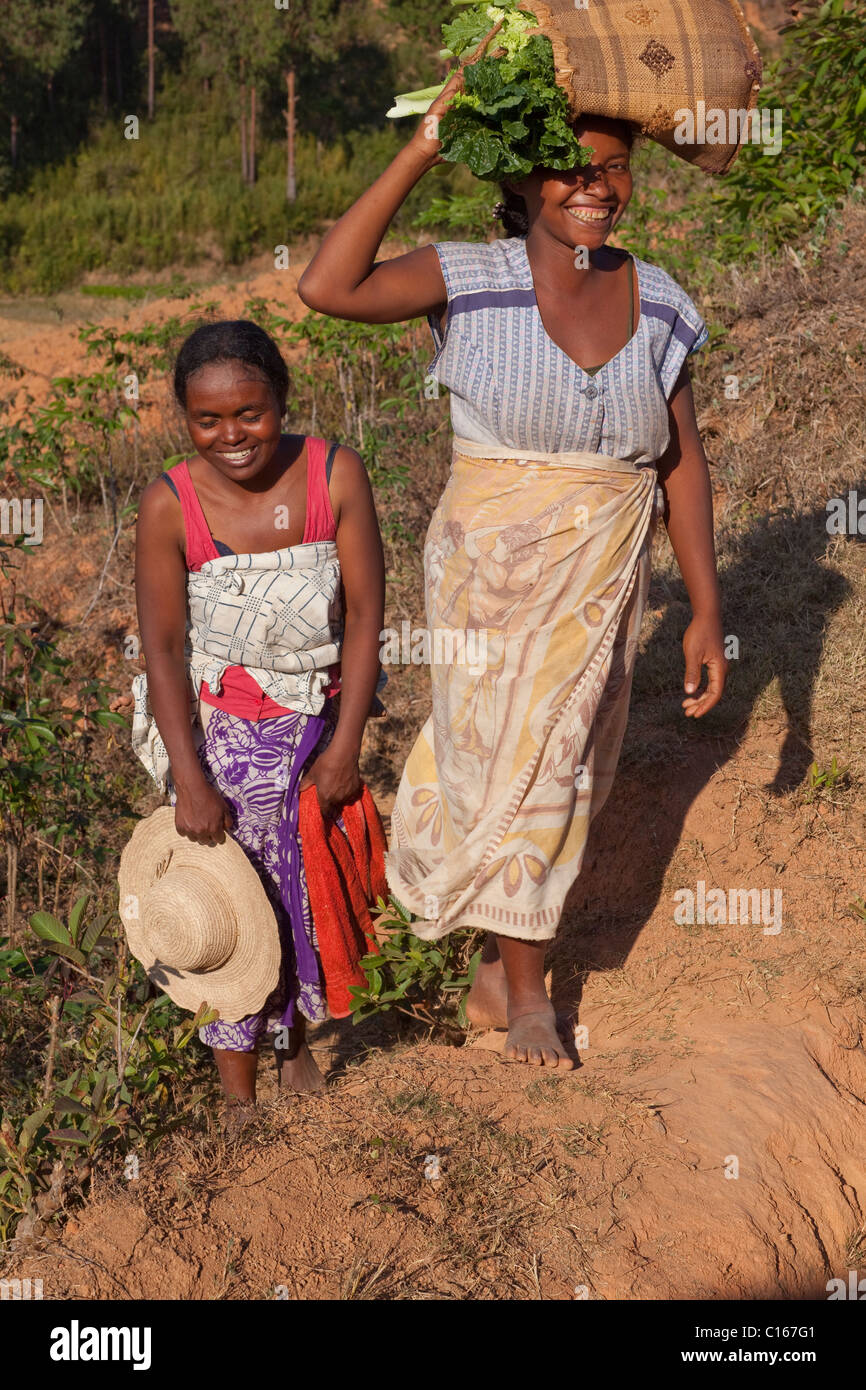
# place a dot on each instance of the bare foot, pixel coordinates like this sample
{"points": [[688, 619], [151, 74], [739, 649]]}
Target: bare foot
{"points": [[487, 1000], [532, 1038], [300, 1073], [237, 1115], [295, 1066]]}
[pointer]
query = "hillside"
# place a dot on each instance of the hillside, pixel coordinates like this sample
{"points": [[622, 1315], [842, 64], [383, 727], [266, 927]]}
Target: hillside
{"points": [[709, 1145]]}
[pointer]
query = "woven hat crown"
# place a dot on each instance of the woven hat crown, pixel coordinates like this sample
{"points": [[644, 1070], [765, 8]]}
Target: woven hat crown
{"points": [[188, 919], [198, 918]]}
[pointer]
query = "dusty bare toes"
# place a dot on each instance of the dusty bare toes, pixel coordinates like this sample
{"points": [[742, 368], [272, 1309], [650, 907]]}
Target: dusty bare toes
{"points": [[532, 1038], [300, 1073]]}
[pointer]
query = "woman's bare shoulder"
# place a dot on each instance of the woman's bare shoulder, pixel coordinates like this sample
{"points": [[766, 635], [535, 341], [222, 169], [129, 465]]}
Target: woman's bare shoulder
{"points": [[348, 468], [159, 510]]}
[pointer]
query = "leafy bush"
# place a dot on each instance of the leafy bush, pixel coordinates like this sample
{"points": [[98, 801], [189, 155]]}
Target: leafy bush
{"points": [[121, 1062], [48, 729], [421, 979], [819, 83], [161, 202], [469, 214]]}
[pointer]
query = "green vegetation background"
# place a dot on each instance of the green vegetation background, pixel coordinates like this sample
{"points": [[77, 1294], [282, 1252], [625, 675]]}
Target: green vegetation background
{"points": [[80, 197]]}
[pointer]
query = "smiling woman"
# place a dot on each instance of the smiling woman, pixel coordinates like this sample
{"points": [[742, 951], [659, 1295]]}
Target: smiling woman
{"points": [[260, 591], [512, 211], [234, 410], [541, 540]]}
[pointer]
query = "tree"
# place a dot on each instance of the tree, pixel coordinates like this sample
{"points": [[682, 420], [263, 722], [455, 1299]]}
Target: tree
{"points": [[257, 48], [150, 61], [36, 42]]}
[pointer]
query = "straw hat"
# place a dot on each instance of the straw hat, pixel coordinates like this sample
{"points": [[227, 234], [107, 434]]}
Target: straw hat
{"points": [[198, 919]]}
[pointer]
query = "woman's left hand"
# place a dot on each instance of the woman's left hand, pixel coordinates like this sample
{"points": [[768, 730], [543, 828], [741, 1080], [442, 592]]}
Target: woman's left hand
{"points": [[336, 779], [704, 645]]}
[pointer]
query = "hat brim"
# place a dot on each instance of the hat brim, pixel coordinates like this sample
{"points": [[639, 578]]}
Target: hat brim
{"points": [[240, 986]]}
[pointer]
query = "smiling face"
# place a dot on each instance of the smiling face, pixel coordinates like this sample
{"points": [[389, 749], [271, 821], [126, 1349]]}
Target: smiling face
{"points": [[581, 207], [234, 418]]}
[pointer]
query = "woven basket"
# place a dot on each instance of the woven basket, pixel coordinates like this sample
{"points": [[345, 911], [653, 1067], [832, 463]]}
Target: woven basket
{"points": [[644, 60]]}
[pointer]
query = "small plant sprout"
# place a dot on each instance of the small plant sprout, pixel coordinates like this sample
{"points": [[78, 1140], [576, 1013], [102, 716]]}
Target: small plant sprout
{"points": [[418, 978], [824, 781]]}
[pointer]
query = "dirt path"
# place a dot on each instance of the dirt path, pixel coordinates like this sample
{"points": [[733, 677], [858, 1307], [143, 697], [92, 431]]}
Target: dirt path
{"points": [[710, 1146]]}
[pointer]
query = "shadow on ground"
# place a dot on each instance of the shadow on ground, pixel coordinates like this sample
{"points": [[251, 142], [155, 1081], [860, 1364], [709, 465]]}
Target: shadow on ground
{"points": [[779, 594]]}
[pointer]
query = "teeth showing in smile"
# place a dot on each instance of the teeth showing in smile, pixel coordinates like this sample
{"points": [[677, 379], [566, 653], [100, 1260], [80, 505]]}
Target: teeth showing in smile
{"points": [[238, 458], [590, 214]]}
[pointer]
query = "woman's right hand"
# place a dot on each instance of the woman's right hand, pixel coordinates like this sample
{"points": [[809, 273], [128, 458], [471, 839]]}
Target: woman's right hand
{"points": [[201, 814], [426, 137]]}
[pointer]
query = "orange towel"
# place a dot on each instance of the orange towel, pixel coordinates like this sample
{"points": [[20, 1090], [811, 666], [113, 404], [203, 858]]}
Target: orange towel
{"points": [[345, 875]]}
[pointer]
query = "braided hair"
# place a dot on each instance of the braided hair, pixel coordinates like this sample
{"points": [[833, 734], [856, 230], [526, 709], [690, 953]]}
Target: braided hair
{"points": [[231, 340]]}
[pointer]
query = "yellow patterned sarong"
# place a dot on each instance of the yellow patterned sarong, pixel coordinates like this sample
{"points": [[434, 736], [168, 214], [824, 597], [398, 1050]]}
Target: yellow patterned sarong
{"points": [[542, 564]]}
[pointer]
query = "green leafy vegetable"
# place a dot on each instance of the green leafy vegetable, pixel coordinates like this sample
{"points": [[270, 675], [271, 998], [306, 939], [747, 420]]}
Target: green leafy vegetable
{"points": [[511, 117], [415, 103], [466, 32]]}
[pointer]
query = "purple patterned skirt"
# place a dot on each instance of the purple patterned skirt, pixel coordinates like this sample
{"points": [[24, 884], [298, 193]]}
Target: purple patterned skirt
{"points": [[257, 767]]}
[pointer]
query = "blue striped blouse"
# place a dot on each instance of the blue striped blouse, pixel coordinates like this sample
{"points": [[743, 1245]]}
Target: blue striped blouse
{"points": [[512, 387]]}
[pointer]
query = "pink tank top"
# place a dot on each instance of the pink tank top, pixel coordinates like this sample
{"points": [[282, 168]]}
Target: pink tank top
{"points": [[241, 694]]}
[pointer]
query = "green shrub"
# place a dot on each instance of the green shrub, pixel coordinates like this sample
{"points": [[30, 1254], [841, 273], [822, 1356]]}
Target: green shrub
{"points": [[426, 980], [115, 1077]]}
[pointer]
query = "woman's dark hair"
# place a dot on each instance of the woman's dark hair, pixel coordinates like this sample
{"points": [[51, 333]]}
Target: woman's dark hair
{"points": [[512, 212], [231, 340]]}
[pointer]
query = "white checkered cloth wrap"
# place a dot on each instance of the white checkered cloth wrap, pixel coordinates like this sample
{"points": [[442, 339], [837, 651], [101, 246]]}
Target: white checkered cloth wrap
{"points": [[278, 614]]}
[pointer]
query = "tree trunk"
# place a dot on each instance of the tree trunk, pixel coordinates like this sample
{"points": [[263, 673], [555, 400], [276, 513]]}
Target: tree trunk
{"points": [[118, 70], [252, 158], [13, 138], [291, 184], [150, 61], [103, 64], [244, 174]]}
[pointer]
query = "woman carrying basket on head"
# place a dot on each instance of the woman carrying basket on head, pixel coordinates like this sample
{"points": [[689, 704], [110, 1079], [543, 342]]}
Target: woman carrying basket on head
{"points": [[570, 398]]}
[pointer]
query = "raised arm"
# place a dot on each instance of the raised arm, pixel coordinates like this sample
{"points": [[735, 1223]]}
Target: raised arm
{"points": [[160, 593], [343, 279]]}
